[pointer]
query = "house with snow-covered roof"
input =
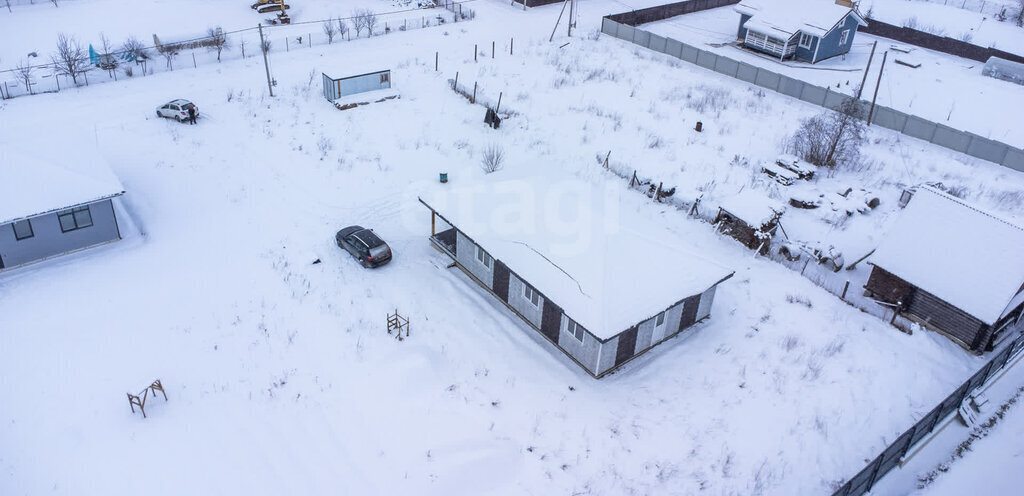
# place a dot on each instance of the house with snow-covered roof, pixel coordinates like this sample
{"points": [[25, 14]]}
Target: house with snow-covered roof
{"points": [[572, 264], [49, 209], [953, 268], [806, 30]]}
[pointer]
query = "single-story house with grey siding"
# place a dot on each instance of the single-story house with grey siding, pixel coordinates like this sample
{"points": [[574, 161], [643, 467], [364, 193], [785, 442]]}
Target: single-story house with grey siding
{"points": [[48, 210], [806, 30], [599, 290]]}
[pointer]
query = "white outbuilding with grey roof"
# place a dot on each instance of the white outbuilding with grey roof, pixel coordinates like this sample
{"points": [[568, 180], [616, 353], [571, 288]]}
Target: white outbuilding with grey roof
{"points": [[49, 208], [569, 261]]}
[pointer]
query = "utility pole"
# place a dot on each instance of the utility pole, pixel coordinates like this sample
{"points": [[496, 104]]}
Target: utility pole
{"points": [[558, 21], [572, 3], [866, 69], [265, 64], [879, 83]]}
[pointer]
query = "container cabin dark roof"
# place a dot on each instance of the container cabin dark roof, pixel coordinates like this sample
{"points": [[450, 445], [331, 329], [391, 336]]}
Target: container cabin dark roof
{"points": [[951, 267], [806, 30], [49, 208], [590, 292]]}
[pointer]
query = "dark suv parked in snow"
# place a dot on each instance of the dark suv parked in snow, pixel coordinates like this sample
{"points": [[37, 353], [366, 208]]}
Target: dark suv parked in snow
{"points": [[364, 245]]}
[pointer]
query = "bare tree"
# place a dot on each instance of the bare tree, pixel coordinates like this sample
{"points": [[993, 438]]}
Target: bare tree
{"points": [[55, 3], [1018, 18], [70, 59], [108, 61], [832, 138], [168, 52], [492, 158], [9, 6], [330, 30], [218, 41], [358, 21], [370, 19], [24, 71], [342, 27]]}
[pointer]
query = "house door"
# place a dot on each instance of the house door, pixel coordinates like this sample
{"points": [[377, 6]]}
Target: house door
{"points": [[627, 346], [660, 324], [501, 276]]}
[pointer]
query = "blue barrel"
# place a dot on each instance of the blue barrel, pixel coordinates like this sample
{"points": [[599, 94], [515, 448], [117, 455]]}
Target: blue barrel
{"points": [[444, 177]]}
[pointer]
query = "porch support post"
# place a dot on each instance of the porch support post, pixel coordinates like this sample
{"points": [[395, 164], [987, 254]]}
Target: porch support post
{"points": [[433, 220]]}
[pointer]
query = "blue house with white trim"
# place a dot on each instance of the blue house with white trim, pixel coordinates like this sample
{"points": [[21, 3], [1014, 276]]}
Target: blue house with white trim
{"points": [[805, 30]]}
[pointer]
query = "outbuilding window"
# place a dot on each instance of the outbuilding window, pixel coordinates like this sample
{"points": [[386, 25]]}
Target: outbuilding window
{"points": [[75, 219], [660, 320], [23, 230], [844, 36], [575, 329], [483, 257], [531, 295], [805, 40]]}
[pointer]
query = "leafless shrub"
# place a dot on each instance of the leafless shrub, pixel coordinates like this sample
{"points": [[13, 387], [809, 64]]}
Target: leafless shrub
{"points": [[492, 159], [790, 342], [799, 300], [358, 21], [24, 71], [70, 59], [325, 145], [1018, 16], [134, 50], [370, 20], [709, 99], [342, 27], [330, 29], [966, 37], [168, 54], [833, 348], [910, 22], [218, 41], [108, 61], [831, 139]]}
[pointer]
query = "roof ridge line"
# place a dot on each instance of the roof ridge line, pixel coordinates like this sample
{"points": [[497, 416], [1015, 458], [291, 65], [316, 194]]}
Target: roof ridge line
{"points": [[963, 203]]}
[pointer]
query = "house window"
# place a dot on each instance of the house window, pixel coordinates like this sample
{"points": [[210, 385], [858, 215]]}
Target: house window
{"points": [[72, 220], [483, 257], [844, 36], [576, 330], [23, 229], [385, 78], [805, 40], [660, 320], [531, 295]]}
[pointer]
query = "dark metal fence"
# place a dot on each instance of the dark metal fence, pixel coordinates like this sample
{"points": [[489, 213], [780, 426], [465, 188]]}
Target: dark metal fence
{"points": [[659, 12], [942, 44], [891, 456]]}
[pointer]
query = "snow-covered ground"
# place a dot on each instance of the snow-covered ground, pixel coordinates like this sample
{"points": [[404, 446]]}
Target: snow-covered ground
{"points": [[280, 375], [960, 460], [945, 89]]}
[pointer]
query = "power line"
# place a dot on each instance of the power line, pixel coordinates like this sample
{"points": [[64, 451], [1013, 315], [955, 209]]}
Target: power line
{"points": [[225, 33]]}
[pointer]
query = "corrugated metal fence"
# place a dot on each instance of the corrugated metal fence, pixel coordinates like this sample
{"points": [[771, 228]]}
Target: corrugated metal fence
{"points": [[932, 132], [891, 456]]}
